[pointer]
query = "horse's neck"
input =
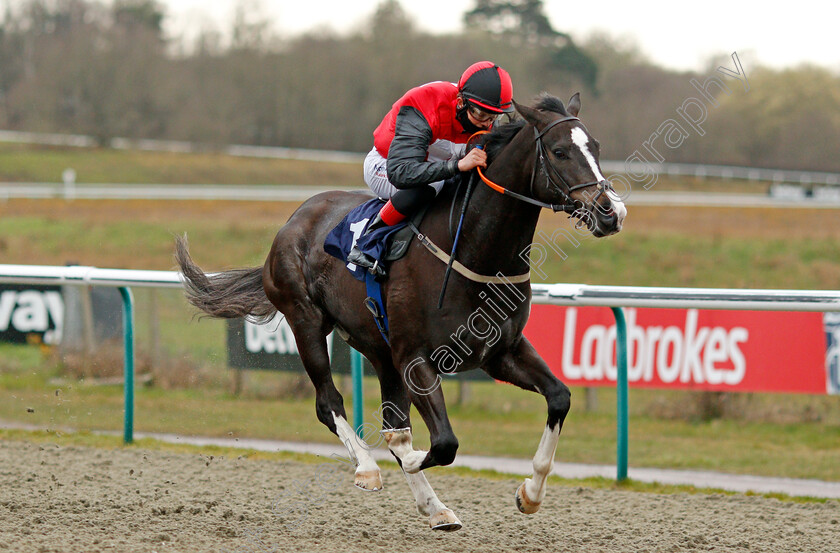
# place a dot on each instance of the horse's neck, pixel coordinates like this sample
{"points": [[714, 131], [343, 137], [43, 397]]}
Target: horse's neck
{"points": [[499, 229], [497, 233]]}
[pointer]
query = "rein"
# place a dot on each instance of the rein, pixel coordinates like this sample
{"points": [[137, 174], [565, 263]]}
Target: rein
{"points": [[569, 205]]}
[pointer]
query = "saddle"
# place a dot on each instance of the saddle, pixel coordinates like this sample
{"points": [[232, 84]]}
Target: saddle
{"points": [[386, 244], [398, 243]]}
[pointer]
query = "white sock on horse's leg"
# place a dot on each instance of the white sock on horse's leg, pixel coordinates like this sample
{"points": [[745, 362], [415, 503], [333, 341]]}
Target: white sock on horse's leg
{"points": [[427, 500], [440, 517], [399, 442], [368, 476], [534, 487]]}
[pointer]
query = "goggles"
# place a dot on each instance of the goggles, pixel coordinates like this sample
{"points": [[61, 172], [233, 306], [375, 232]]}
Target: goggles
{"points": [[480, 115]]}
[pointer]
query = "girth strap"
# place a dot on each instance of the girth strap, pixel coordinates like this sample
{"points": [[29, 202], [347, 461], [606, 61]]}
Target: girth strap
{"points": [[461, 269], [374, 304]]}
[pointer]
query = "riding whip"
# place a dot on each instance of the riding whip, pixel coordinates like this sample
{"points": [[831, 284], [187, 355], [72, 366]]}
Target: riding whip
{"points": [[467, 196]]}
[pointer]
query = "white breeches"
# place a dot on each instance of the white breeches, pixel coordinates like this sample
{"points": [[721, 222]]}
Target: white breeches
{"points": [[376, 167]]}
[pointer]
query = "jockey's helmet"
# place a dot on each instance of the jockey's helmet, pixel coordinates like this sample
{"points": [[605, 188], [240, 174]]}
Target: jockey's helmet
{"points": [[488, 86]]}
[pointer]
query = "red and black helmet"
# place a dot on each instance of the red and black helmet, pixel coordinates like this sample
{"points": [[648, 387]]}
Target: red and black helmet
{"points": [[488, 86]]}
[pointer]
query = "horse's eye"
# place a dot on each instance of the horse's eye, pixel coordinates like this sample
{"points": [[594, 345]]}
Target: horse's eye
{"points": [[561, 154]]}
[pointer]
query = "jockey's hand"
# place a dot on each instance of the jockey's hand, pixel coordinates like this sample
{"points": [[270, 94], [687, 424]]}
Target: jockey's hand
{"points": [[475, 158]]}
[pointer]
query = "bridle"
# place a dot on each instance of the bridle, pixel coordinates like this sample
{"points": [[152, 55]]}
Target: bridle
{"points": [[575, 208], [569, 205]]}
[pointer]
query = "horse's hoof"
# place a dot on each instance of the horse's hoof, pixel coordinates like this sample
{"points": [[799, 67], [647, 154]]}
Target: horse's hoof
{"points": [[369, 480], [524, 504], [445, 521]]}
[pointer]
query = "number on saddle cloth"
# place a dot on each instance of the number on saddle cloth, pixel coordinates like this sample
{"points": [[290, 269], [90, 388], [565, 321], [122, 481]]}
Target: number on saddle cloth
{"points": [[350, 232]]}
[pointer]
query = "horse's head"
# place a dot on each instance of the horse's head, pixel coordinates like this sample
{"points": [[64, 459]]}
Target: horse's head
{"points": [[566, 171]]}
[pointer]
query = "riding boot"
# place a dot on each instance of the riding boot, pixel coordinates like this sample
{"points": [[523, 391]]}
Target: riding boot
{"points": [[375, 224], [357, 257], [363, 260], [401, 205]]}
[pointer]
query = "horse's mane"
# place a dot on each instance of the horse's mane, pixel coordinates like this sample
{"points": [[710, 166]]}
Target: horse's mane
{"points": [[501, 135]]}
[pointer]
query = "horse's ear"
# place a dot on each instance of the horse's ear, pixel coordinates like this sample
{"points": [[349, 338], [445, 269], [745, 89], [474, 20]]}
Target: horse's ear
{"points": [[574, 104], [531, 115]]}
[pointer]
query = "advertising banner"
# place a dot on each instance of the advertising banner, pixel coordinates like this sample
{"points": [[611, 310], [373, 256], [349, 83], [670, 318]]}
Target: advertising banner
{"points": [[689, 349], [31, 313], [739, 351], [272, 346]]}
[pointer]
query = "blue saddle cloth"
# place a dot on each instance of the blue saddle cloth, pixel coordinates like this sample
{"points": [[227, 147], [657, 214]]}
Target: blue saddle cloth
{"points": [[350, 231]]}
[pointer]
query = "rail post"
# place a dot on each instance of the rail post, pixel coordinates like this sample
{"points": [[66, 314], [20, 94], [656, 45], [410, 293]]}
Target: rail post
{"points": [[128, 368], [356, 373], [622, 392]]}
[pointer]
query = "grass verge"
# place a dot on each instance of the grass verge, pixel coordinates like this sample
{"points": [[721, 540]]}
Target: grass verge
{"points": [[495, 420]]}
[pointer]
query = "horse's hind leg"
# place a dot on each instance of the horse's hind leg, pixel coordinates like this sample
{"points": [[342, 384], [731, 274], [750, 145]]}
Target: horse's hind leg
{"points": [[310, 328], [394, 415], [368, 476], [524, 367]]}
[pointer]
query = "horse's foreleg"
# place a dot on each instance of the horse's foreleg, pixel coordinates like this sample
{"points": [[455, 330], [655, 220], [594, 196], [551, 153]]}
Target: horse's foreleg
{"points": [[523, 367], [396, 427], [530, 494], [399, 442], [423, 386], [440, 516]]}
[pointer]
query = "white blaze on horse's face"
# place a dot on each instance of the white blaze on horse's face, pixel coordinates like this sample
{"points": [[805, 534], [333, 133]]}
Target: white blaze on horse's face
{"points": [[581, 140]]}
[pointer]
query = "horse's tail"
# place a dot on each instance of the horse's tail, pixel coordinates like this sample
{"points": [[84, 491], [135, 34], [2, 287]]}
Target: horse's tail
{"points": [[226, 295]]}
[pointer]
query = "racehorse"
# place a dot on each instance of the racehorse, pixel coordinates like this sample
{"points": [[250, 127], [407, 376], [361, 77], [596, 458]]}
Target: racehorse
{"points": [[545, 159]]}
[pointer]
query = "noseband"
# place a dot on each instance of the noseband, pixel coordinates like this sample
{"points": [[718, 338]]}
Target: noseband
{"points": [[569, 205]]}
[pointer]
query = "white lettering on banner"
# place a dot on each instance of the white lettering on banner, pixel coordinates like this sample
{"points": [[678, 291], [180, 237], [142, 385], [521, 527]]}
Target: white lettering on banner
{"points": [[671, 342], [688, 354], [31, 311], [7, 305], [270, 337], [570, 370], [831, 323], [274, 337], [55, 306], [31, 314]]}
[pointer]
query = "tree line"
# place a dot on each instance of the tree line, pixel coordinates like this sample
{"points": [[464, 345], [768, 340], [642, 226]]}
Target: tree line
{"points": [[108, 70]]}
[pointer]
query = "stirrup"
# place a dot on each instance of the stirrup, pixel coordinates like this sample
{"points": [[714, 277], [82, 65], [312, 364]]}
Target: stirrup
{"points": [[357, 257]]}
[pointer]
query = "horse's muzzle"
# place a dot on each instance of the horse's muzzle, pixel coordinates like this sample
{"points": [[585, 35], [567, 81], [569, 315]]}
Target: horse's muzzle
{"points": [[605, 220]]}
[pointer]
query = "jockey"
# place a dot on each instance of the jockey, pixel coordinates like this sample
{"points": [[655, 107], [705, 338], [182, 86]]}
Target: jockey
{"points": [[421, 141]]}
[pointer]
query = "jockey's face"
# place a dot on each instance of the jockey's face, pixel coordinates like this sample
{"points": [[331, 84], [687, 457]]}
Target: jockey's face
{"points": [[477, 117]]}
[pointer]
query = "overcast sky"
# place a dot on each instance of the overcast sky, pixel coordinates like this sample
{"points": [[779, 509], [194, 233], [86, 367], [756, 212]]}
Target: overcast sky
{"points": [[679, 35]]}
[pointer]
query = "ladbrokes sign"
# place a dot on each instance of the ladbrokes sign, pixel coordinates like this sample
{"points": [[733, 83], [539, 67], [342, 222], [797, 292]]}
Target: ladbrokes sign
{"points": [[747, 351]]}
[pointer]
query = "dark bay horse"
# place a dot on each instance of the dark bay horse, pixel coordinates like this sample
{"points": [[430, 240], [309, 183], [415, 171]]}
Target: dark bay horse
{"points": [[545, 159]]}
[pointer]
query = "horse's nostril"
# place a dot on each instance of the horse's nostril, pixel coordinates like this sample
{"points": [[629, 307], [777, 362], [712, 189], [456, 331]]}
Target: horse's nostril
{"points": [[607, 214]]}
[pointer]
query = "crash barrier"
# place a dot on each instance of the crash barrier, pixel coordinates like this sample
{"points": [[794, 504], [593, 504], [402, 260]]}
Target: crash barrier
{"points": [[617, 298]]}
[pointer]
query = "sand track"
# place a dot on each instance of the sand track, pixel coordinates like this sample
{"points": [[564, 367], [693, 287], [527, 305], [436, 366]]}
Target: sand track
{"points": [[83, 499]]}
